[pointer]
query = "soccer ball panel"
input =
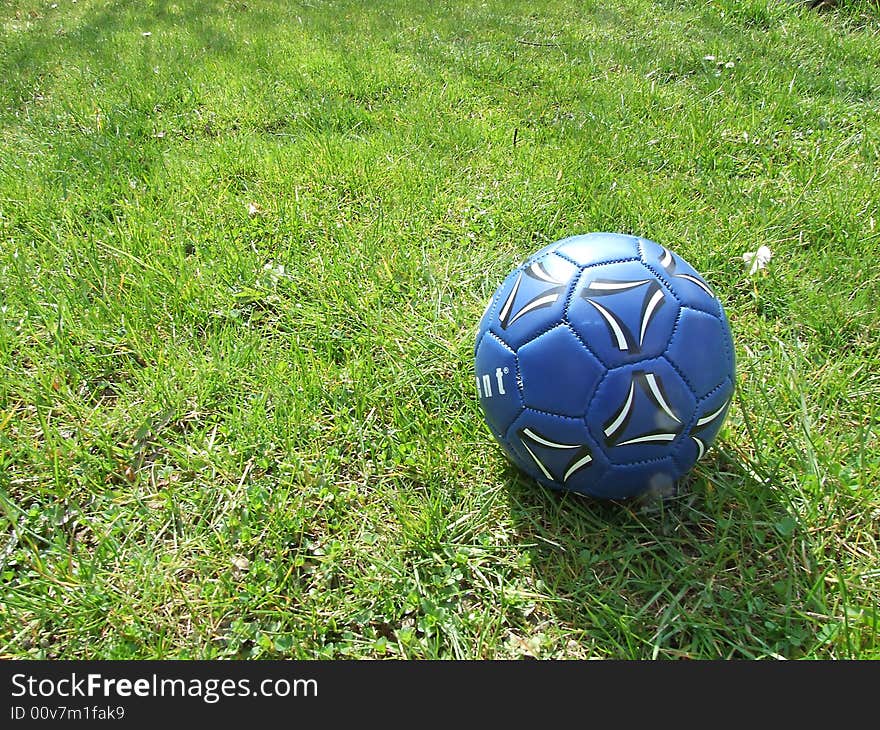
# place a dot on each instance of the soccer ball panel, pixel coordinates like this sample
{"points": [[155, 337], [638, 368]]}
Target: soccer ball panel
{"points": [[623, 481], [597, 248], [533, 299], [689, 287], [700, 350], [623, 312], [557, 451], [640, 411], [490, 313], [709, 417], [497, 382], [558, 373]]}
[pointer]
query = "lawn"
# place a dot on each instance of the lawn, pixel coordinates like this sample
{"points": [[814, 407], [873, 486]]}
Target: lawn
{"points": [[244, 247]]}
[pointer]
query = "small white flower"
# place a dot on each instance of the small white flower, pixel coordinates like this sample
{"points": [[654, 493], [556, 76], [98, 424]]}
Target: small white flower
{"points": [[759, 259], [240, 565], [708, 58], [254, 209], [272, 274]]}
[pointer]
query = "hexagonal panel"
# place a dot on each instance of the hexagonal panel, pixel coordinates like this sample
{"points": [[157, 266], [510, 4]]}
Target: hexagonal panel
{"points": [[640, 411], [708, 419], [598, 248], [659, 477], [701, 349], [484, 319], [543, 251], [558, 373], [496, 383], [533, 299], [490, 313], [690, 287], [556, 451], [623, 312]]}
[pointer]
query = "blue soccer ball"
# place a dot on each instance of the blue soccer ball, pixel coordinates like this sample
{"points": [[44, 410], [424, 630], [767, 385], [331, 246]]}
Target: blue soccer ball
{"points": [[605, 366]]}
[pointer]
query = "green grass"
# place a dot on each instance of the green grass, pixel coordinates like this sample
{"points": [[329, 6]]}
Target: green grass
{"points": [[226, 434]]}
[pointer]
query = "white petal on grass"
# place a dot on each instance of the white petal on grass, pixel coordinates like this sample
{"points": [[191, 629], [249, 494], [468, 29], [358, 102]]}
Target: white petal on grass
{"points": [[758, 259]]}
